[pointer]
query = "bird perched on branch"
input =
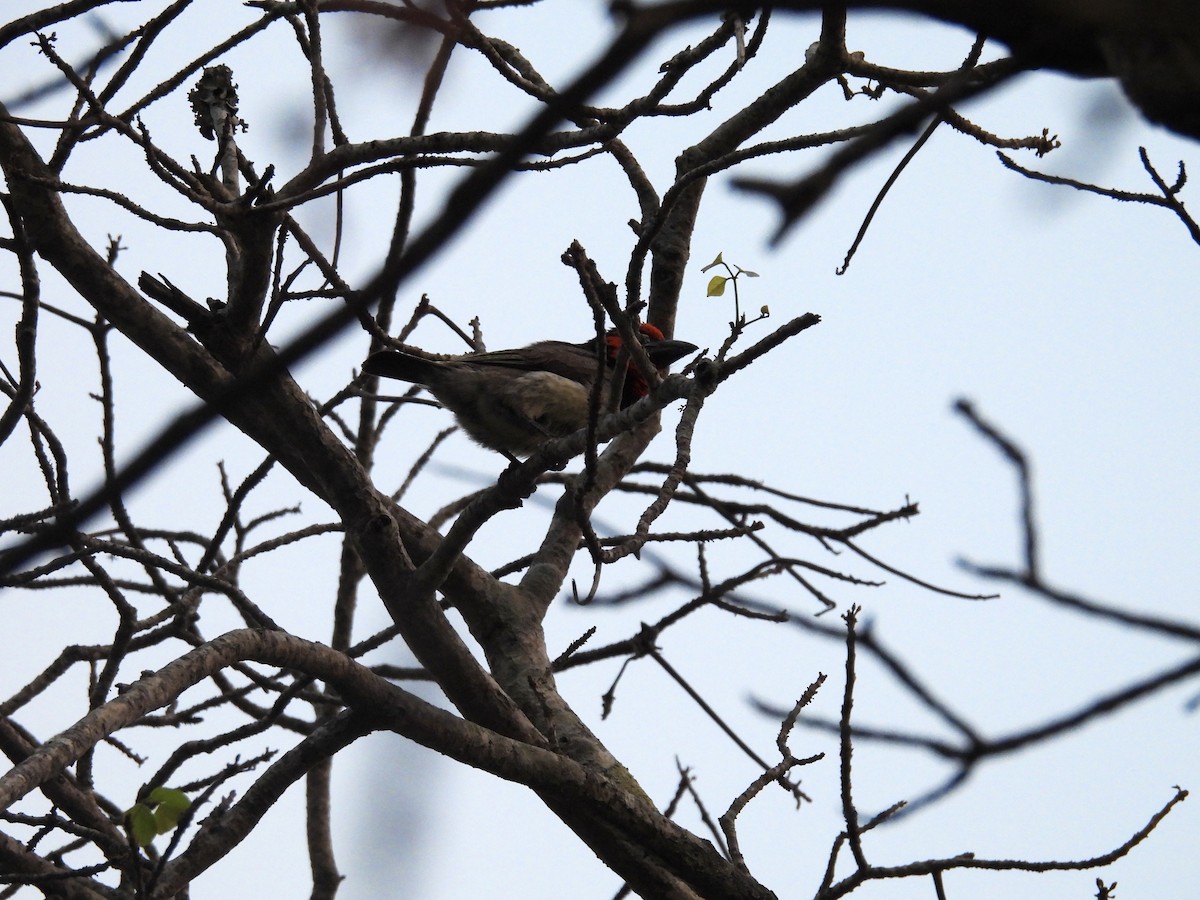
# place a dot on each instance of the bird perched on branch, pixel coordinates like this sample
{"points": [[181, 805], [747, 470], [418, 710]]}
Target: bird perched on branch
{"points": [[515, 400]]}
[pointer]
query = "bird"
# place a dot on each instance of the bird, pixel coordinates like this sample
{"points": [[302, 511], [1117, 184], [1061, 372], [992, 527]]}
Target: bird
{"points": [[513, 401]]}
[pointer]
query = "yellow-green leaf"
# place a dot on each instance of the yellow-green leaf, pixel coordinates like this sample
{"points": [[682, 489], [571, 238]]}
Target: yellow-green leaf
{"points": [[172, 804], [716, 286], [141, 824], [715, 262], [170, 797]]}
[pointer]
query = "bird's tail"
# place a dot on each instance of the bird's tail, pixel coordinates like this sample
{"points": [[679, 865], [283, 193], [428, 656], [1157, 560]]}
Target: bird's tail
{"points": [[404, 366]]}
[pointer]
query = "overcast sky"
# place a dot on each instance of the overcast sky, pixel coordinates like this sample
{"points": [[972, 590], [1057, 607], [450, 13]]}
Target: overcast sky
{"points": [[1069, 320]]}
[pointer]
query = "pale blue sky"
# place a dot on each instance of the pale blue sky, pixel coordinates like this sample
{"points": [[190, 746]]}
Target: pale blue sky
{"points": [[1070, 320]]}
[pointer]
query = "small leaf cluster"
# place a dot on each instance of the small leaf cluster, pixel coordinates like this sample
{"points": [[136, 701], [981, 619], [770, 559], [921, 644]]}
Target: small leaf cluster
{"points": [[716, 288], [157, 814]]}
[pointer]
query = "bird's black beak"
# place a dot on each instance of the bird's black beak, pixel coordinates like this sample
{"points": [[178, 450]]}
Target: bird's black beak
{"points": [[663, 353]]}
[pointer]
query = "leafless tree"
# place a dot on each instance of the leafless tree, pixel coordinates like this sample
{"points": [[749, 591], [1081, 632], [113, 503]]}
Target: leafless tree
{"points": [[69, 832]]}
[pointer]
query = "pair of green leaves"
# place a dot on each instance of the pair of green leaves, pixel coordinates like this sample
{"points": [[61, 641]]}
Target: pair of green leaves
{"points": [[157, 814]]}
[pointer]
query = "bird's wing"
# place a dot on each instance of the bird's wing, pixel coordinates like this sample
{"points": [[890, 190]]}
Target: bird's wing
{"points": [[572, 361]]}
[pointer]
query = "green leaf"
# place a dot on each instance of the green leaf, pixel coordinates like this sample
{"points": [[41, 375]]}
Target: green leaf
{"points": [[715, 262], [170, 797], [166, 818], [747, 273], [172, 804], [716, 286], [141, 824], [161, 812]]}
